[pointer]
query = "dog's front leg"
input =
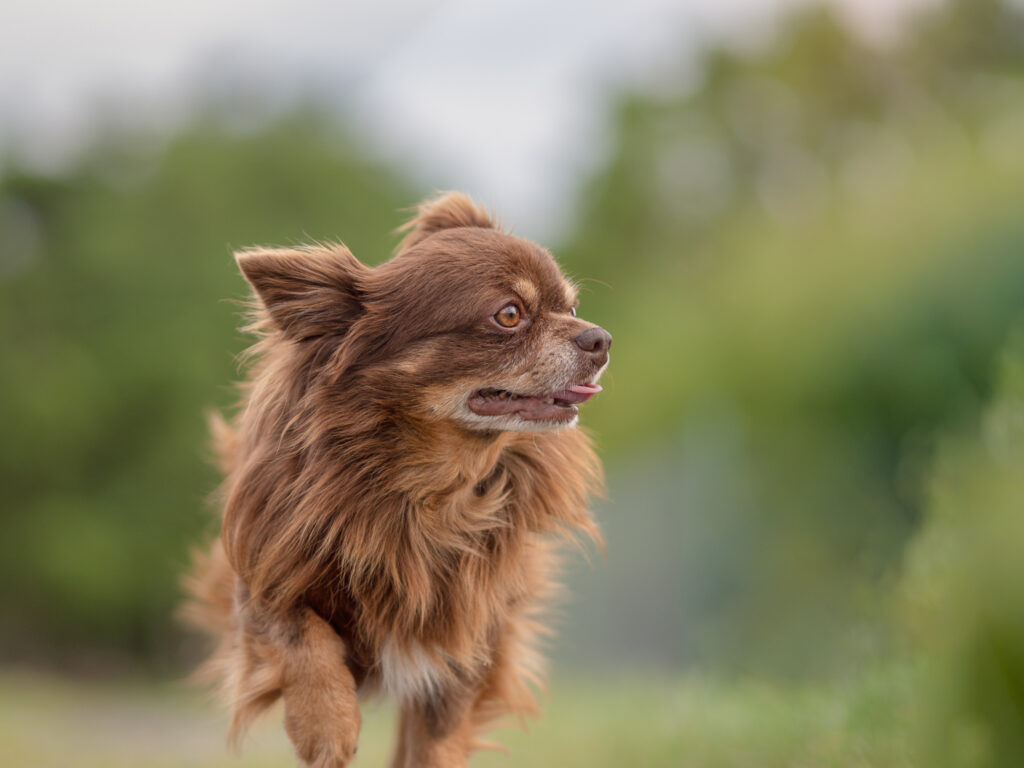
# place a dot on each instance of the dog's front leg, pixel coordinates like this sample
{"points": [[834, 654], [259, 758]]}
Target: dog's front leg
{"points": [[437, 733], [300, 658], [321, 715]]}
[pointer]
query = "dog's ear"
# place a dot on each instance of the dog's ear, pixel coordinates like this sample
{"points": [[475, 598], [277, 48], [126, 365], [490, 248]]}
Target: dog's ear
{"points": [[307, 292], [446, 211]]}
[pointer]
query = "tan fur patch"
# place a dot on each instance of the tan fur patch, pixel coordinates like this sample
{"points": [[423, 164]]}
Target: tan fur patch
{"points": [[527, 291]]}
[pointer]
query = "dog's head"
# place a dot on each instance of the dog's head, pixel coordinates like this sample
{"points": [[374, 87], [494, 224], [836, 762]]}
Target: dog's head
{"points": [[465, 323]]}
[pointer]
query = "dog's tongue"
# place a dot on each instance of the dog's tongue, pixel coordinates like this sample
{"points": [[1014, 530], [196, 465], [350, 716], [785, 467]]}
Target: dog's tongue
{"points": [[578, 393]]}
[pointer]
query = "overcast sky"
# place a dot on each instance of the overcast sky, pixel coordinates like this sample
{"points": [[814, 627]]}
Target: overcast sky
{"points": [[503, 98]]}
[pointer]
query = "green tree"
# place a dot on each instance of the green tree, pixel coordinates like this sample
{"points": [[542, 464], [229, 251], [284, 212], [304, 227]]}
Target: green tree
{"points": [[118, 333]]}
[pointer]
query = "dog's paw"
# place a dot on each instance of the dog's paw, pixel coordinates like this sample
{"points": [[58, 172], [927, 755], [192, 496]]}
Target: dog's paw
{"points": [[323, 742]]}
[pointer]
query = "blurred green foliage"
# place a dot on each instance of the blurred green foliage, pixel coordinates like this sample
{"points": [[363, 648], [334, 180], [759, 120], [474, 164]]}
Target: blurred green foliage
{"points": [[118, 331], [809, 262], [963, 590], [814, 258], [813, 267]]}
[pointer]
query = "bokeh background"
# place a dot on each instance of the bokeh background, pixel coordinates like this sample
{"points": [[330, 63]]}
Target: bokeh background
{"points": [[803, 223]]}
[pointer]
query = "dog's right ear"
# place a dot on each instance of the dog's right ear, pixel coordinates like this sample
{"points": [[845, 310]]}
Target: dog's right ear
{"points": [[307, 292], [449, 210]]}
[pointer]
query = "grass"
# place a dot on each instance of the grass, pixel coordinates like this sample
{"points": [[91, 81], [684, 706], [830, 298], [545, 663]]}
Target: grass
{"points": [[653, 722]]}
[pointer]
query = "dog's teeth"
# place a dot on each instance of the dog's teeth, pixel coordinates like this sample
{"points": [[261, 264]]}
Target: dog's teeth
{"points": [[550, 401]]}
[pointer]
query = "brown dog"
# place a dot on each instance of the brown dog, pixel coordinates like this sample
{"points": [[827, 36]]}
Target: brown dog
{"points": [[402, 453]]}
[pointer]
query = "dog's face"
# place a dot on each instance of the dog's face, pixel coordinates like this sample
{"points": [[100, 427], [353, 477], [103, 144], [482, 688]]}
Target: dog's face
{"points": [[466, 324], [489, 329]]}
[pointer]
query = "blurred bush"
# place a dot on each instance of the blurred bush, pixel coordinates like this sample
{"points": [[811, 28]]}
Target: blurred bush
{"points": [[963, 590], [814, 258], [118, 333]]}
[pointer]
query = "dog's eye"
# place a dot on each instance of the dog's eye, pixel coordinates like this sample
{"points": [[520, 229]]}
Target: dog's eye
{"points": [[572, 311], [508, 317]]}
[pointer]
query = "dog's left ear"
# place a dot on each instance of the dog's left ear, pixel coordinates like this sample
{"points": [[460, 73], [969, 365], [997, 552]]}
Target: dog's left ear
{"points": [[446, 211], [307, 292]]}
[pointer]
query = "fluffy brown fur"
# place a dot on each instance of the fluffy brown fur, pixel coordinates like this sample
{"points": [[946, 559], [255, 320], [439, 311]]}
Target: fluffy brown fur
{"points": [[388, 507]]}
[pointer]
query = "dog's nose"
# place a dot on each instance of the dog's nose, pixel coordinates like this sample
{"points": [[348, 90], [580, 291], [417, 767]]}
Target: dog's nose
{"points": [[594, 340]]}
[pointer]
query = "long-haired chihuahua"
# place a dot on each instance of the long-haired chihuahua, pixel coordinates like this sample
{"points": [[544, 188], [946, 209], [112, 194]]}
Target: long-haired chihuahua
{"points": [[403, 452]]}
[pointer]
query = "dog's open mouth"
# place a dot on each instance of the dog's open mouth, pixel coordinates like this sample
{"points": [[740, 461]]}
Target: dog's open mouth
{"points": [[557, 406]]}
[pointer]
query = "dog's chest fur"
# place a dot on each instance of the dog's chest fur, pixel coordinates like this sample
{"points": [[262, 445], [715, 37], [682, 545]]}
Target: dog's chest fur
{"points": [[418, 558], [429, 617]]}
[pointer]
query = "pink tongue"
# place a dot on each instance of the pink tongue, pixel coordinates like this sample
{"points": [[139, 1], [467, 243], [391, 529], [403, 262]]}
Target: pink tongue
{"points": [[578, 393]]}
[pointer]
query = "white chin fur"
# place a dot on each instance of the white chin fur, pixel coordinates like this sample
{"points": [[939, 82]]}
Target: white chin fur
{"points": [[512, 423]]}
